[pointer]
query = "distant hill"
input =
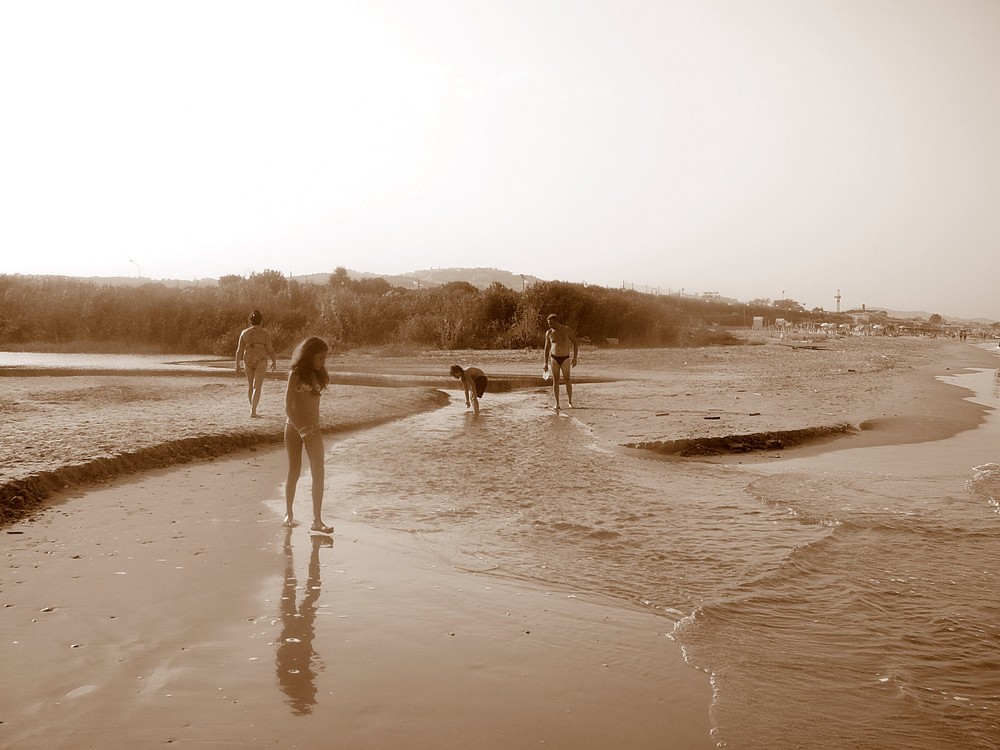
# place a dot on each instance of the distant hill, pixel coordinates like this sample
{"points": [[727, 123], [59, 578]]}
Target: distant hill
{"points": [[127, 280], [481, 278], [918, 314]]}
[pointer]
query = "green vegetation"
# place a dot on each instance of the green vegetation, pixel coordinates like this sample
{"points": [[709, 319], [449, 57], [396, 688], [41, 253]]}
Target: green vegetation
{"points": [[64, 314]]}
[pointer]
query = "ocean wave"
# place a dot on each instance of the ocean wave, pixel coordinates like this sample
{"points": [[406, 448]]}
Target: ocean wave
{"points": [[985, 485]]}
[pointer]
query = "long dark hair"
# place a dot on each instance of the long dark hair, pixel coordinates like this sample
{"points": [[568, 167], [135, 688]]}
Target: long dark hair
{"points": [[302, 362]]}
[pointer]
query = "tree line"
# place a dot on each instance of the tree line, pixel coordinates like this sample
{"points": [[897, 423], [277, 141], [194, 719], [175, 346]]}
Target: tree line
{"points": [[65, 314]]}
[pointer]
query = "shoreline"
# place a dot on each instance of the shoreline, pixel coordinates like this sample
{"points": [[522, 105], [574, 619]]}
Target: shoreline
{"points": [[173, 596], [748, 403]]}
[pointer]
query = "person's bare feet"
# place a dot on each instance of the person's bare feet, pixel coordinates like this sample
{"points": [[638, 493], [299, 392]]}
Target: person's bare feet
{"points": [[288, 522], [320, 527]]}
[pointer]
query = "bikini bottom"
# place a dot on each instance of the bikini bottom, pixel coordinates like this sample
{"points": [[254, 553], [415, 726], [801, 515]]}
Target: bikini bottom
{"points": [[253, 364]]}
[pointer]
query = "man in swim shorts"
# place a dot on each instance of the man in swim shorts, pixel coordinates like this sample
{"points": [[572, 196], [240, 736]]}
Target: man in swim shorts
{"points": [[474, 381], [560, 342]]}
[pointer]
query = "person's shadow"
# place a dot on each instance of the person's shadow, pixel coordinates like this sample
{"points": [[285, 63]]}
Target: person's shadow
{"points": [[296, 661]]}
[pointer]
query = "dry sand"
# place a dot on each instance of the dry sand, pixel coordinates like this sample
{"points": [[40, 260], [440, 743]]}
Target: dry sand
{"points": [[148, 609]]}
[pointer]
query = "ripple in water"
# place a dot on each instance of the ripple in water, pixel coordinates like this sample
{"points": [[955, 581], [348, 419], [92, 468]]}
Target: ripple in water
{"points": [[853, 610]]}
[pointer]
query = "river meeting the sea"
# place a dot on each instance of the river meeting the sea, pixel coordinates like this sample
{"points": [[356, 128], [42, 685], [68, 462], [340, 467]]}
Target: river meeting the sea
{"points": [[841, 598], [847, 599]]}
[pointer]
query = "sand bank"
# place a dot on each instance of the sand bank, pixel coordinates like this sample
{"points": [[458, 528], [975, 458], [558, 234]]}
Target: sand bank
{"points": [[71, 430], [741, 398], [757, 400]]}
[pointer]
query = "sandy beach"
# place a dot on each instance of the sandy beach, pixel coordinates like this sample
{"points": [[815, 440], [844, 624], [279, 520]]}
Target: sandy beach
{"points": [[150, 596]]}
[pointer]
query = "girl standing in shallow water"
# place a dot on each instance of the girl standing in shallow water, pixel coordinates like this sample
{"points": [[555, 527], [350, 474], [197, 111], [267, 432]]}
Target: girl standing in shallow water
{"points": [[307, 379]]}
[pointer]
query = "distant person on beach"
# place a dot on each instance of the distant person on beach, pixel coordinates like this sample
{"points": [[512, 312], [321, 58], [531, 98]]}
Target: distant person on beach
{"points": [[253, 351], [474, 381], [307, 379], [559, 342]]}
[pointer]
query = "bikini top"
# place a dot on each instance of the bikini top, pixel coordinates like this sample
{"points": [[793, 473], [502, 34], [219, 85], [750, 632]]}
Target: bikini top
{"points": [[255, 340], [308, 388]]}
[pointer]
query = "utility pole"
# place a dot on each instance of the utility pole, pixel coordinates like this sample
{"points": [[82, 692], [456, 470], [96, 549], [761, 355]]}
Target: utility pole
{"points": [[838, 301]]}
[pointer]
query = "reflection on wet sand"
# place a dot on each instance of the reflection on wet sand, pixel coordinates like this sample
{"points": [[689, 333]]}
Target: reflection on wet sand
{"points": [[296, 661]]}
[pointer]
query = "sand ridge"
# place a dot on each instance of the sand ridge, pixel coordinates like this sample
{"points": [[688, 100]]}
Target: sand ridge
{"points": [[66, 431]]}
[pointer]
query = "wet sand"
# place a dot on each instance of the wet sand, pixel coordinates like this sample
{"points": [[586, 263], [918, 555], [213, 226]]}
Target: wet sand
{"points": [[155, 608], [150, 612]]}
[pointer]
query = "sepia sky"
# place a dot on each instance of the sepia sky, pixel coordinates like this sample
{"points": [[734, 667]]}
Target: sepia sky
{"points": [[778, 148]]}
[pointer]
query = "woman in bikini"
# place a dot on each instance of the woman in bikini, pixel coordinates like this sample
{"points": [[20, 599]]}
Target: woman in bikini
{"points": [[307, 379], [253, 351]]}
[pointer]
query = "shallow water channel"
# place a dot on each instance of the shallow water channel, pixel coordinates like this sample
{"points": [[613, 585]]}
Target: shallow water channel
{"points": [[745, 560]]}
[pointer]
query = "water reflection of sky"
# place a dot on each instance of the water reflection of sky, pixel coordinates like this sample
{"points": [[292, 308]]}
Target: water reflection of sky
{"points": [[128, 362]]}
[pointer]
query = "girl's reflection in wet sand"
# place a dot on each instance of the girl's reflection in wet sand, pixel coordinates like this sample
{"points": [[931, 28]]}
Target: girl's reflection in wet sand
{"points": [[296, 661]]}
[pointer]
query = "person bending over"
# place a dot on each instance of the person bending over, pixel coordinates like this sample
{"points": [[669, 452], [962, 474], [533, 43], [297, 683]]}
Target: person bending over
{"points": [[474, 381]]}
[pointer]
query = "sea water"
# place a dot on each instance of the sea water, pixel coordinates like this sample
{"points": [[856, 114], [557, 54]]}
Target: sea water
{"points": [[846, 600]]}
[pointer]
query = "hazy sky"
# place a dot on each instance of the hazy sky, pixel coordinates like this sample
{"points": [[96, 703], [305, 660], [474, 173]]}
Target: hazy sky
{"points": [[780, 148]]}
